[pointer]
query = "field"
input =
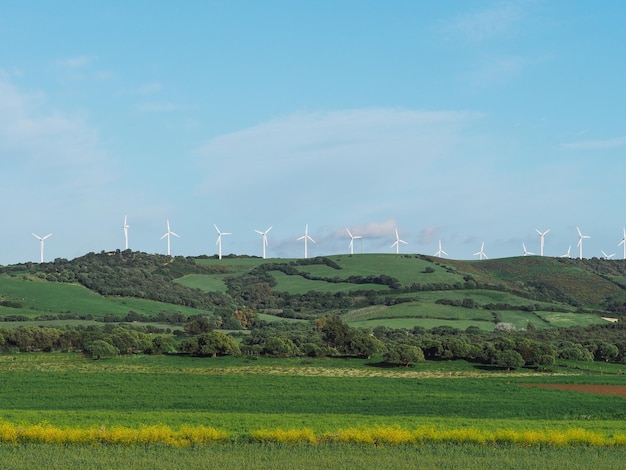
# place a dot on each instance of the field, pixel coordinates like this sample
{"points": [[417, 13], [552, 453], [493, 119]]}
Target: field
{"points": [[287, 413]]}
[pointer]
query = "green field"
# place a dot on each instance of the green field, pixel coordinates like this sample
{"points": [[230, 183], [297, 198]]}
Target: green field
{"points": [[239, 396]]}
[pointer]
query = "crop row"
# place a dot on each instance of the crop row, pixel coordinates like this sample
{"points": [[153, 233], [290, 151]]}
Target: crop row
{"points": [[188, 436]]}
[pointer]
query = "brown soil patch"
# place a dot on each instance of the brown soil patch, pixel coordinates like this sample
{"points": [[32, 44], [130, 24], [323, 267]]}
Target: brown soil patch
{"points": [[619, 390]]}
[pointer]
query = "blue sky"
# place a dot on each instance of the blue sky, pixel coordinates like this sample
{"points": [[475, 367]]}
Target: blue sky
{"points": [[456, 121]]}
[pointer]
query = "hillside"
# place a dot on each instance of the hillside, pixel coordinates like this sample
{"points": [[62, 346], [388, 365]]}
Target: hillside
{"points": [[366, 290]]}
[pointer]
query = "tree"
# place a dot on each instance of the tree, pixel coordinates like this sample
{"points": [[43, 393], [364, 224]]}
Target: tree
{"points": [[509, 359], [212, 344], [99, 348], [404, 355]]}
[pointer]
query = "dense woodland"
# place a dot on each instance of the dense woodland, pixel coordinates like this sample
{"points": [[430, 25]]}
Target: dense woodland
{"points": [[231, 325]]}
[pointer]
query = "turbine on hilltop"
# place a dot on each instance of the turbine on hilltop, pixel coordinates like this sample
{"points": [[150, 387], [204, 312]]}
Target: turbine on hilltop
{"points": [[440, 252], [541, 237], [264, 235], [352, 238], [481, 254], [397, 243], [41, 243], [623, 242], [126, 227], [581, 237], [305, 237], [168, 234], [219, 240], [526, 252]]}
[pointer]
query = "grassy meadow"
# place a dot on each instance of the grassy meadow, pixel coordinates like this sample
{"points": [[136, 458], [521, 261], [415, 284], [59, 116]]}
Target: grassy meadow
{"points": [[287, 413]]}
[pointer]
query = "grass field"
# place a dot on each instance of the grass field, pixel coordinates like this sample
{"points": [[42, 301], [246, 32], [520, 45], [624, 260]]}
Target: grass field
{"points": [[245, 398], [39, 297], [288, 457]]}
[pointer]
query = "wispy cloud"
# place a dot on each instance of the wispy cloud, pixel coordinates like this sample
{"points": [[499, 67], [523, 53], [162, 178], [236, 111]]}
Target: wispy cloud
{"points": [[75, 61], [160, 107], [501, 19], [605, 144]]}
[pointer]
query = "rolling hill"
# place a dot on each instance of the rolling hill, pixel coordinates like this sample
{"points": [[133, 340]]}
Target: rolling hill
{"points": [[366, 290]]}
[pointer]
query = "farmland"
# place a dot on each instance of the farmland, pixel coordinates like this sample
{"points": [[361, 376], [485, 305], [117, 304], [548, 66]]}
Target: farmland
{"points": [[327, 358], [242, 399]]}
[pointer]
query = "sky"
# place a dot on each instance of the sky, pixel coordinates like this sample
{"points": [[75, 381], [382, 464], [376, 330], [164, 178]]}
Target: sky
{"points": [[465, 122]]}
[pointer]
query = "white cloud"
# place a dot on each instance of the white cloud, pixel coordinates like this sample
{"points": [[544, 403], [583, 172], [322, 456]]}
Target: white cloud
{"points": [[502, 19], [160, 107], [605, 144], [75, 62]]}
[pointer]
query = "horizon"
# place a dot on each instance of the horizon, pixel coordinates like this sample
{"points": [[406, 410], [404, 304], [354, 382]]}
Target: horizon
{"points": [[460, 122]]}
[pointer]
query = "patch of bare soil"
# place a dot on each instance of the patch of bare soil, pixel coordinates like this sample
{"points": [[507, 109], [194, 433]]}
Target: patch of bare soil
{"points": [[619, 390]]}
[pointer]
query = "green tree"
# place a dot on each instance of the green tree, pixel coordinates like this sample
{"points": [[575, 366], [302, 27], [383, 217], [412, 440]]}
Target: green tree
{"points": [[404, 355], [509, 359], [99, 349]]}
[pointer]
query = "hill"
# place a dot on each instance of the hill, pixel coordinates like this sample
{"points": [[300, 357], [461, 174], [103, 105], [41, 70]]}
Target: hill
{"points": [[366, 289]]}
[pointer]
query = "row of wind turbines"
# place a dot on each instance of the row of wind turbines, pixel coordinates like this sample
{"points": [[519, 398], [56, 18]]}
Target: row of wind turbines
{"points": [[396, 244], [481, 253]]}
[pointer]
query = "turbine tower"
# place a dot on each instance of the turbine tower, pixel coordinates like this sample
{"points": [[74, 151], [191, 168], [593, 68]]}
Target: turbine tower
{"points": [[541, 236], [126, 227], [580, 242], [623, 242], [305, 237], [219, 239], [397, 243], [440, 252], [526, 252], [167, 234], [264, 235], [352, 238], [481, 253], [41, 243]]}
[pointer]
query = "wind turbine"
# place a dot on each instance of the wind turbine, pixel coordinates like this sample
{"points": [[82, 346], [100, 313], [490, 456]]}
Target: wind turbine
{"points": [[219, 240], [264, 235], [352, 238], [440, 252], [41, 242], [580, 242], [623, 242], [607, 256], [541, 236], [305, 237], [567, 255], [481, 253], [167, 234], [397, 243], [526, 252], [126, 227]]}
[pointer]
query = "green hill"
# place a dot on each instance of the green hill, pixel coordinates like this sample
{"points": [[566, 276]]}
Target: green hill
{"points": [[366, 289]]}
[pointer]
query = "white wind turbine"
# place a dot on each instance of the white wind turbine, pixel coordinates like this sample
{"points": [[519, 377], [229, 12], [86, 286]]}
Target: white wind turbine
{"points": [[41, 243], [440, 252], [352, 238], [481, 253], [580, 242], [126, 227], [526, 252], [623, 242], [567, 254], [541, 236], [167, 234], [264, 235], [219, 240], [305, 237], [607, 256], [397, 243]]}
